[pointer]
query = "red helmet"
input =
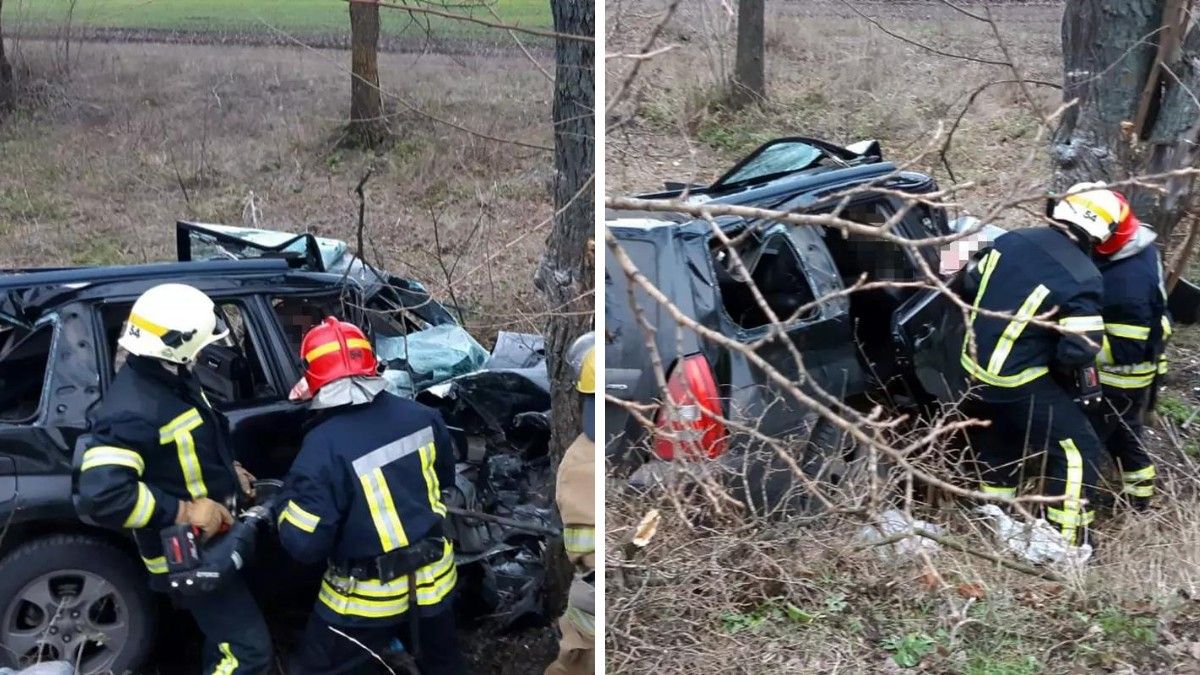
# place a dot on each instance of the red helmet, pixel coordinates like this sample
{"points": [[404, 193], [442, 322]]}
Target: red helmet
{"points": [[1127, 225], [333, 350]]}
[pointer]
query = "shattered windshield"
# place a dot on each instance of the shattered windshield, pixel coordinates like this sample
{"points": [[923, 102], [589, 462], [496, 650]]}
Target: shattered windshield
{"points": [[779, 158]]}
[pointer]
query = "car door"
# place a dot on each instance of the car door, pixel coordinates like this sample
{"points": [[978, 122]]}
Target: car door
{"points": [[928, 332], [48, 380]]}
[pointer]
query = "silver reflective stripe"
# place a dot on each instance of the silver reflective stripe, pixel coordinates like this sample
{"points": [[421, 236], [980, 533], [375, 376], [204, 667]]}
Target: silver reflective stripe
{"points": [[393, 451]]}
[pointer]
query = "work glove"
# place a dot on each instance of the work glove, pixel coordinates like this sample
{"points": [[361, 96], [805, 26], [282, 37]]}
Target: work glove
{"points": [[208, 516], [245, 479]]}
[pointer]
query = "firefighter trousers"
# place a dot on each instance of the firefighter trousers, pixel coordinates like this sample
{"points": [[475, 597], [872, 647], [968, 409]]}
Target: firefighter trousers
{"points": [[236, 640], [1042, 429], [325, 652], [1119, 423]]}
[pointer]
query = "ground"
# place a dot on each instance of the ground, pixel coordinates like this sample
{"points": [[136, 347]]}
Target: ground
{"points": [[115, 142], [713, 592]]}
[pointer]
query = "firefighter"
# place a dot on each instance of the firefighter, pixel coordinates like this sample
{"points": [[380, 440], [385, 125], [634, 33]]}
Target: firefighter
{"points": [[1136, 327], [576, 496], [364, 494], [1022, 369], [157, 455]]}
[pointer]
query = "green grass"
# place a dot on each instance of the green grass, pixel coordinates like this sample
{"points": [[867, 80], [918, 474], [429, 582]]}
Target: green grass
{"points": [[301, 17]]}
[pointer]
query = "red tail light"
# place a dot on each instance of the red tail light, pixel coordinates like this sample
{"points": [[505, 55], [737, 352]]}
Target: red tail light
{"points": [[693, 425]]}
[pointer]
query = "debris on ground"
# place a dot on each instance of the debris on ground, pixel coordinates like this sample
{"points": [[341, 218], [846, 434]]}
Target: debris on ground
{"points": [[1038, 542], [894, 522]]}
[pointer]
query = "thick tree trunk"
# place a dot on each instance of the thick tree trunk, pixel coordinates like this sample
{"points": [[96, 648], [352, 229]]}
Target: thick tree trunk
{"points": [[1132, 117], [749, 73], [565, 273], [367, 128], [6, 78]]}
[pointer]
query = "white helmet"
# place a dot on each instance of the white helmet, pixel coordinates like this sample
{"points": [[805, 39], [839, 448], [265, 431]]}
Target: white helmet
{"points": [[171, 322], [1092, 208]]}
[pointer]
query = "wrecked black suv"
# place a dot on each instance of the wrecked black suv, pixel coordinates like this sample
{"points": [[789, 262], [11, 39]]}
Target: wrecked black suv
{"points": [[853, 344], [72, 591]]}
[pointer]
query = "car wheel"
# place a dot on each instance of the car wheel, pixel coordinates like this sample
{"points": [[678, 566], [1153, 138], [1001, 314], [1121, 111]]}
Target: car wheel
{"points": [[832, 456], [74, 598]]}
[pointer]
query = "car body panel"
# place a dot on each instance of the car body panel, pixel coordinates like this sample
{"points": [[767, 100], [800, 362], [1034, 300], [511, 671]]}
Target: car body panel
{"points": [[672, 251]]}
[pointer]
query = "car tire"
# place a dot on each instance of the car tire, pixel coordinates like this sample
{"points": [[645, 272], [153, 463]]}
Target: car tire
{"points": [[833, 457], [99, 597]]}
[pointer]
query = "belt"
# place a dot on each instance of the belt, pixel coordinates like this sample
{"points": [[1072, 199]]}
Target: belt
{"points": [[393, 564]]}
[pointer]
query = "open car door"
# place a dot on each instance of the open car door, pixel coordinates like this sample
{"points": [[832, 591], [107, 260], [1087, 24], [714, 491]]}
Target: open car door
{"points": [[928, 331]]}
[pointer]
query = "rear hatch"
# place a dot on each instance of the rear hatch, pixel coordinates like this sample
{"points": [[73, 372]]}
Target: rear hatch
{"points": [[653, 245]]}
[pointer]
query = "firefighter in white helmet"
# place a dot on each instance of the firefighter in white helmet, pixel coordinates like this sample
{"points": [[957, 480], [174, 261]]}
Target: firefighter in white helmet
{"points": [[1027, 373], [576, 496], [157, 455]]}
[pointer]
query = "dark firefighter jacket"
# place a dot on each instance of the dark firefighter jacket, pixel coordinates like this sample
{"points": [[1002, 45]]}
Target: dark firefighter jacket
{"points": [[1025, 274], [154, 441], [1136, 324], [367, 481]]}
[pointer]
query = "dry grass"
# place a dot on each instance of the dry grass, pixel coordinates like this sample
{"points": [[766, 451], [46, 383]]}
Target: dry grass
{"points": [[100, 167], [742, 595]]}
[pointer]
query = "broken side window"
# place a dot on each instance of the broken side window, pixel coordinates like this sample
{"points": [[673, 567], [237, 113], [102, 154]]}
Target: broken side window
{"points": [[775, 269], [24, 358], [231, 370]]}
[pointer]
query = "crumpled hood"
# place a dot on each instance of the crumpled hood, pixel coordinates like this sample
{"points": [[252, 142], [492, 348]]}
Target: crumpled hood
{"points": [[1143, 238]]}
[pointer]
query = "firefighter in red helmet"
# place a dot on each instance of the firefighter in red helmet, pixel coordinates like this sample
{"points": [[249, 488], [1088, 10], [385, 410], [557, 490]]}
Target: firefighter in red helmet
{"points": [[1136, 329], [364, 494]]}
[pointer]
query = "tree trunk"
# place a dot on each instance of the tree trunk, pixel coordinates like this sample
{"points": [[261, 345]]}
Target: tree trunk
{"points": [[6, 78], [368, 128], [565, 273], [1133, 117], [749, 73]]}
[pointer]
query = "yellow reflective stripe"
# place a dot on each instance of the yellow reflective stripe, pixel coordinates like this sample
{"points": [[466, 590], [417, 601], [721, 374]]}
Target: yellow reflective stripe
{"points": [[1105, 356], [156, 565], [297, 516], [1082, 324], [1144, 368], [1125, 381], [998, 490], [431, 581], [1127, 331], [586, 623], [1091, 205], [1144, 473], [352, 606], [148, 326], [1162, 365], [143, 509], [1166, 326], [980, 373], [990, 261], [1072, 520], [184, 422], [988, 266], [229, 664], [579, 540], [1139, 490], [1015, 327], [383, 511], [428, 454], [331, 347], [179, 431], [1072, 510], [104, 455]]}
